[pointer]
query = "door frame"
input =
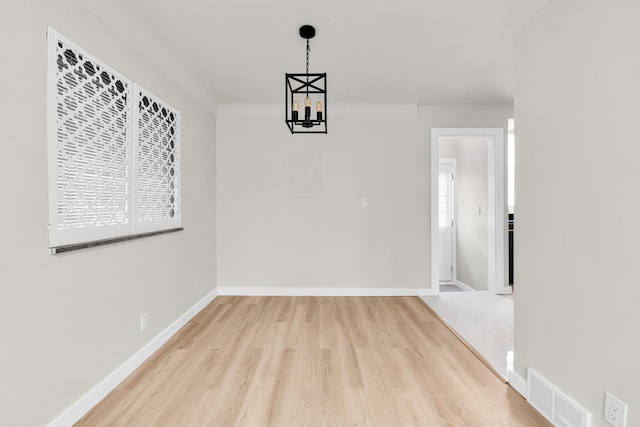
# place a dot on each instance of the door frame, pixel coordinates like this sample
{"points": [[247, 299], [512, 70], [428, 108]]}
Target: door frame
{"points": [[496, 209], [454, 227]]}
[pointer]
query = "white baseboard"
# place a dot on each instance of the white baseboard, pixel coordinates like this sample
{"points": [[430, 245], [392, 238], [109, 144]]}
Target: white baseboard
{"points": [[464, 286], [96, 394], [518, 383], [507, 290], [320, 292]]}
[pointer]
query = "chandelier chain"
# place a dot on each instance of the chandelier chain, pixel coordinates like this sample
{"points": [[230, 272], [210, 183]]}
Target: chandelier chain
{"points": [[308, 49]]}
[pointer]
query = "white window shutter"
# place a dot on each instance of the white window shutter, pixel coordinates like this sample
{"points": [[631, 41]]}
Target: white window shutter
{"points": [[114, 152], [91, 121], [157, 163]]}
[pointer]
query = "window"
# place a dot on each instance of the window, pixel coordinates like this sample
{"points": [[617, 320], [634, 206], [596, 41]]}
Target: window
{"points": [[113, 152]]}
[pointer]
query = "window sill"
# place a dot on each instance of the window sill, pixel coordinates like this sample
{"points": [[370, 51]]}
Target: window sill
{"points": [[76, 246]]}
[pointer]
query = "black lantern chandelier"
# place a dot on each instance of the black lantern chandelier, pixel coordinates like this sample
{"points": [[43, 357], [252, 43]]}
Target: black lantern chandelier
{"points": [[306, 89]]}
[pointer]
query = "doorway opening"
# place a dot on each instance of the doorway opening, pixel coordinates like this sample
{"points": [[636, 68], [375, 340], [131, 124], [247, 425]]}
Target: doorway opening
{"points": [[490, 311], [494, 211]]}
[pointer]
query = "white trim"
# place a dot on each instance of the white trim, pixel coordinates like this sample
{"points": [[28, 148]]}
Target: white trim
{"points": [[466, 287], [97, 393], [495, 211], [435, 225], [518, 383], [52, 149], [321, 292]]}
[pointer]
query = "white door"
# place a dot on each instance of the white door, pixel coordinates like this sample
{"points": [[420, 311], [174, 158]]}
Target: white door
{"points": [[446, 219]]}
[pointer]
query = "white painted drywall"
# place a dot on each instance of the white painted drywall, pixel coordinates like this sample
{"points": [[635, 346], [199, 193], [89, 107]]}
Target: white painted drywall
{"points": [[67, 321], [472, 230], [289, 206], [522, 10], [448, 148], [290, 210], [577, 293]]}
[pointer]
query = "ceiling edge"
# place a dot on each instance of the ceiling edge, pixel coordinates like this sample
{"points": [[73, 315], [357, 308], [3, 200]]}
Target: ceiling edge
{"points": [[117, 19]]}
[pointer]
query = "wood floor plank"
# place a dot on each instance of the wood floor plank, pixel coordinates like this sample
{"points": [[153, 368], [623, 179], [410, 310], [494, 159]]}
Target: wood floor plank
{"points": [[313, 361]]}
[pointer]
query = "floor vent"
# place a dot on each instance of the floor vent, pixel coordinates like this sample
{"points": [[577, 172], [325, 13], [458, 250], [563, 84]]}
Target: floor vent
{"points": [[556, 406]]}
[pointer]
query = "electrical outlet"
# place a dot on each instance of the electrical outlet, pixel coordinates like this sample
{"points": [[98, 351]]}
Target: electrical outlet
{"points": [[615, 411], [144, 321]]}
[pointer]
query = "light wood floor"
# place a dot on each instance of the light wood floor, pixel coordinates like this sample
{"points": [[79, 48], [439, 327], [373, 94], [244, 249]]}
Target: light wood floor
{"points": [[314, 361]]}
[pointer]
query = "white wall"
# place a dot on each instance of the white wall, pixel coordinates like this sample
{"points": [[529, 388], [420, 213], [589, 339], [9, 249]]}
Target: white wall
{"points": [[472, 230], [69, 320], [289, 206], [576, 300], [448, 148]]}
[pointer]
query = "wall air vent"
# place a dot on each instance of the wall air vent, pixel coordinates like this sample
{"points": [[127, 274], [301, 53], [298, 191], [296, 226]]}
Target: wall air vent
{"points": [[556, 406]]}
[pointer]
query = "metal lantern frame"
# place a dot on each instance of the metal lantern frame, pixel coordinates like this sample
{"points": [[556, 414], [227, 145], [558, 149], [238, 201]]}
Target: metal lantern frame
{"points": [[296, 88], [302, 86]]}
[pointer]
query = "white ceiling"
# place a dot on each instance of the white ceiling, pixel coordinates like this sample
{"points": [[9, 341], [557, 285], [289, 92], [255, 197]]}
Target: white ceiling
{"points": [[374, 51]]}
